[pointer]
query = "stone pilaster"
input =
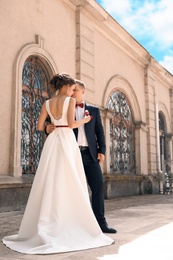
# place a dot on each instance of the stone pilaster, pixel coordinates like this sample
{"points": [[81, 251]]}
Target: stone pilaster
{"points": [[150, 120], [141, 130], [85, 60]]}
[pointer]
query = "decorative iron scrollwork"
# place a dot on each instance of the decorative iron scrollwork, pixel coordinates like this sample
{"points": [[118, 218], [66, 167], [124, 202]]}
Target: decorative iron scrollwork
{"points": [[122, 152], [35, 91]]}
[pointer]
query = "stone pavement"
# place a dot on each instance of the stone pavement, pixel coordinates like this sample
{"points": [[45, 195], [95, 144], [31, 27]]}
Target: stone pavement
{"points": [[144, 224]]}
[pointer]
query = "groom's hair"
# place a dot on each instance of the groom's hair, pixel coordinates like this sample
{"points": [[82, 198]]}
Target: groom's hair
{"points": [[80, 83]]}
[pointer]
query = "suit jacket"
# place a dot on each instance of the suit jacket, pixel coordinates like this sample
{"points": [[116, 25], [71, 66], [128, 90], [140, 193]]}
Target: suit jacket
{"points": [[94, 132]]}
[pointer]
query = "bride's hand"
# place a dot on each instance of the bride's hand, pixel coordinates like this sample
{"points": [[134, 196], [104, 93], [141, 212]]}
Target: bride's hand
{"points": [[87, 115], [87, 119]]}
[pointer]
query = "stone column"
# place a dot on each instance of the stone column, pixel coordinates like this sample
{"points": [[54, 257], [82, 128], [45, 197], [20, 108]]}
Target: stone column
{"points": [[141, 130], [108, 116], [150, 120], [171, 139], [85, 59]]}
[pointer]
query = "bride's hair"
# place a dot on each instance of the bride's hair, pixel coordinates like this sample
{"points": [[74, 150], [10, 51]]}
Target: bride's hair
{"points": [[59, 80]]}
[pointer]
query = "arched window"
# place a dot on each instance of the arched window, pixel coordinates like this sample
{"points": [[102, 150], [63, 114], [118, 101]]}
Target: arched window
{"points": [[35, 91], [122, 154]]}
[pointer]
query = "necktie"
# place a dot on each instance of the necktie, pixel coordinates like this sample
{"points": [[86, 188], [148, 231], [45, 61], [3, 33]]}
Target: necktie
{"points": [[80, 105]]}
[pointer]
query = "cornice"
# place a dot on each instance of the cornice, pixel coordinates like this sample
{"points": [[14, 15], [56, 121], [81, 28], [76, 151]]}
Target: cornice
{"points": [[160, 72], [111, 29]]}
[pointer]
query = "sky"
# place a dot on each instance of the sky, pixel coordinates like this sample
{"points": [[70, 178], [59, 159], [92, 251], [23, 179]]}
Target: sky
{"points": [[150, 22]]}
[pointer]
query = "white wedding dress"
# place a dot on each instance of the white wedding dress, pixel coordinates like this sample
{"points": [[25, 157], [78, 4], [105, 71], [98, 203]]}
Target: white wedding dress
{"points": [[58, 216]]}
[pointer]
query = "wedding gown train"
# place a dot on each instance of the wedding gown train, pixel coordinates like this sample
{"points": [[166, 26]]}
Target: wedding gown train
{"points": [[58, 216]]}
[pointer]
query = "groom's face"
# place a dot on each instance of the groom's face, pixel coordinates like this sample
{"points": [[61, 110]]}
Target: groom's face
{"points": [[78, 93]]}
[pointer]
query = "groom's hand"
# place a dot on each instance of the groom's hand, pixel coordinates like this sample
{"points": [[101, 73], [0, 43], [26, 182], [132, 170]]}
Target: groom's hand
{"points": [[49, 128], [100, 157]]}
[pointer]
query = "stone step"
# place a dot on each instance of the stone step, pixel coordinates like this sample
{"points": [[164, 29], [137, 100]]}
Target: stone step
{"points": [[14, 192]]}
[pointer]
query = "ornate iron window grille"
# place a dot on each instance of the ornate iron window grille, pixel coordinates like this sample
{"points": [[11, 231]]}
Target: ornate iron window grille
{"points": [[35, 91], [122, 154]]}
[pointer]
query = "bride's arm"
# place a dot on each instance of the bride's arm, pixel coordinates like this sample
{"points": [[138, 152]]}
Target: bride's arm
{"points": [[72, 123], [42, 118]]}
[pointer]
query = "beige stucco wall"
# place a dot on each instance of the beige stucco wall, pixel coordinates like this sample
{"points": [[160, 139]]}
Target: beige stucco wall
{"points": [[20, 22], [79, 37]]}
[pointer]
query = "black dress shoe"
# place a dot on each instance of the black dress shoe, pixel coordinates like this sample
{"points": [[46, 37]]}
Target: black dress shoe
{"points": [[107, 229]]}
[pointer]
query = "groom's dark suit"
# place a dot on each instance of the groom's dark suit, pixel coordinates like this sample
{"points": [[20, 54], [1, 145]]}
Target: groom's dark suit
{"points": [[96, 144]]}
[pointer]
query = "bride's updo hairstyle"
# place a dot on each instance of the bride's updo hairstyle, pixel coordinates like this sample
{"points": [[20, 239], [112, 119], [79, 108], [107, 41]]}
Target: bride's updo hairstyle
{"points": [[59, 80]]}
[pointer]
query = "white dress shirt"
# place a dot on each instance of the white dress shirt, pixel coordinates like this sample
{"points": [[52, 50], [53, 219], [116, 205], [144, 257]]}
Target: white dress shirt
{"points": [[79, 113]]}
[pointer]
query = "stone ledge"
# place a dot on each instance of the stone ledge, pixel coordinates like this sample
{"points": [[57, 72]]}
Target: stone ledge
{"points": [[125, 185], [14, 192], [12, 182], [110, 177]]}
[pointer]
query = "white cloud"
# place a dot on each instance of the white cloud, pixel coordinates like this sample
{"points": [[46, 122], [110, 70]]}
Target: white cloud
{"points": [[151, 19], [167, 63], [161, 21], [150, 22], [116, 7]]}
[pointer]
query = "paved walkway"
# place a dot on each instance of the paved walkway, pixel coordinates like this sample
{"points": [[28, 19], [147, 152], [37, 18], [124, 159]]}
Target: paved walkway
{"points": [[144, 224]]}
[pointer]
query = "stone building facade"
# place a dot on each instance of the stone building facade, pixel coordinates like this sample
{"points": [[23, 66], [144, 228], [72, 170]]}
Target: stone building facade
{"points": [[132, 90]]}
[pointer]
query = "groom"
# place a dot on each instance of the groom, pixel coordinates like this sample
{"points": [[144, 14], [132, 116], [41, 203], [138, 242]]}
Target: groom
{"points": [[91, 141]]}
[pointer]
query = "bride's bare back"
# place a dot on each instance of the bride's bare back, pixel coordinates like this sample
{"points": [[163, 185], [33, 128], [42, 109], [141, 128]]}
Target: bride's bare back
{"points": [[56, 106]]}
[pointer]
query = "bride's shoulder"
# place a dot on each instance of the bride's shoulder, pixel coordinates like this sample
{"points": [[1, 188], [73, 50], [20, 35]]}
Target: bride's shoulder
{"points": [[53, 98], [72, 99]]}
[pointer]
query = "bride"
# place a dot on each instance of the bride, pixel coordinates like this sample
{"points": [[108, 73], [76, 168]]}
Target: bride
{"points": [[58, 216]]}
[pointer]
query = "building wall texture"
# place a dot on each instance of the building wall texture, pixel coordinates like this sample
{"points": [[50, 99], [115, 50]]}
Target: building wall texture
{"points": [[81, 38]]}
